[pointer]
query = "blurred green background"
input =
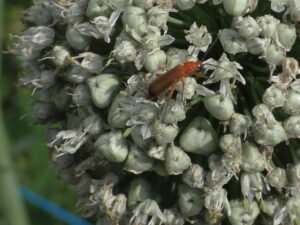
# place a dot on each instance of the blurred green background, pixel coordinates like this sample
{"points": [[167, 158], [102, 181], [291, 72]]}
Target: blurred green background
{"points": [[27, 141]]}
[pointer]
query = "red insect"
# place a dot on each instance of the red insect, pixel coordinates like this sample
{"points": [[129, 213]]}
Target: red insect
{"points": [[169, 79]]}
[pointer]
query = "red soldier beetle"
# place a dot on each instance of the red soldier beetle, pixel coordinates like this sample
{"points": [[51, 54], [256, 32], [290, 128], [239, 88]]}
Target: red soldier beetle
{"points": [[169, 79]]}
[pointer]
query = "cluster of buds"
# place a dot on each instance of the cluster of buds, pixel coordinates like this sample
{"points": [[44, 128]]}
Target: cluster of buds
{"points": [[167, 160]]}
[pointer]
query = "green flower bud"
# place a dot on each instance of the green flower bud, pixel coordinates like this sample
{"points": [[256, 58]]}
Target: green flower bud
{"points": [[91, 62], [81, 95], [165, 133], [135, 18], [191, 200], [292, 103], [144, 4], [194, 176], [112, 146], [294, 178], [117, 118], [219, 107], [247, 27], [173, 112], [137, 161], [232, 42], [38, 15], [268, 24], [176, 56], [252, 185], [286, 35], [277, 178], [97, 8], [93, 124], [176, 160], [257, 46], [138, 138], [125, 52], [239, 124], [184, 4], [76, 75], [155, 61], [274, 54], [241, 214], [269, 134], [199, 137], [160, 169], [61, 56], [77, 40], [274, 97], [270, 205], [292, 126], [60, 97], [218, 177], [252, 159], [235, 7], [139, 191], [103, 87]]}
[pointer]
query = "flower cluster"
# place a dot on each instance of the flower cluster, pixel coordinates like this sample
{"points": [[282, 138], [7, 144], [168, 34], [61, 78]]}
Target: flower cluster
{"points": [[215, 152]]}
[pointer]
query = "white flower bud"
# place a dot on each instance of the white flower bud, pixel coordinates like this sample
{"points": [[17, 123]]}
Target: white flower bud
{"points": [[165, 133], [173, 217], [216, 200], [218, 177], [239, 124], [247, 27], [262, 114], [194, 176], [189, 87], [112, 146], [93, 124], [257, 46], [220, 108], [136, 19], [60, 56], [77, 40], [191, 200], [125, 52], [274, 97], [139, 191], [286, 35], [232, 42], [155, 61], [137, 161], [292, 103], [269, 134], [277, 178], [176, 161], [198, 36], [278, 5], [293, 208], [294, 178], [268, 24], [76, 75], [117, 117], [252, 159], [274, 54], [173, 112], [252, 185], [41, 36], [199, 137], [184, 4], [157, 152], [103, 87], [270, 205], [292, 126], [159, 168], [242, 213], [235, 7], [176, 56], [231, 144], [294, 10], [144, 4], [97, 8], [158, 17]]}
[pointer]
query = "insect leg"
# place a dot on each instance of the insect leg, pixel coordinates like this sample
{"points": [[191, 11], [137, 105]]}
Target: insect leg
{"points": [[197, 74], [172, 88]]}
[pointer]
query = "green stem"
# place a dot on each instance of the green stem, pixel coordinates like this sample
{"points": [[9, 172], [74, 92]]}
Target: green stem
{"points": [[11, 203], [176, 21]]}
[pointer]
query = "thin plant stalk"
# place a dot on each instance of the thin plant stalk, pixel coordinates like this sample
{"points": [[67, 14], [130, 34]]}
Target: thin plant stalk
{"points": [[11, 202]]}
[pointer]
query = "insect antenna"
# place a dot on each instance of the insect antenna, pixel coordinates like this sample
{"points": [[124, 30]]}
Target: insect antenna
{"points": [[210, 47]]}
